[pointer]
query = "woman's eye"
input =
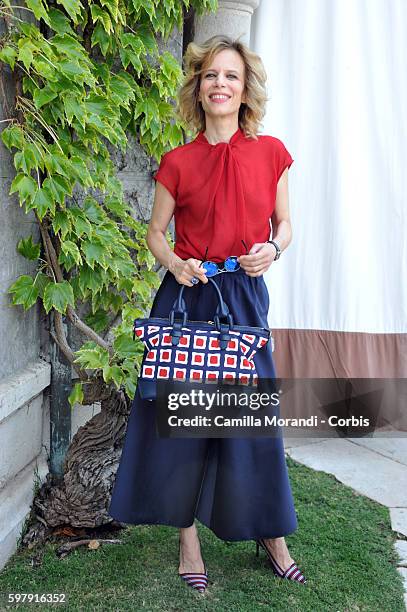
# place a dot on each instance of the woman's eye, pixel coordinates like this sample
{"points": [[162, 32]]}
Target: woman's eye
{"points": [[210, 74]]}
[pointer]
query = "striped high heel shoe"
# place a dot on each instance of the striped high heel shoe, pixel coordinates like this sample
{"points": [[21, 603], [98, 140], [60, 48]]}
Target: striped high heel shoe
{"points": [[198, 582], [291, 573]]}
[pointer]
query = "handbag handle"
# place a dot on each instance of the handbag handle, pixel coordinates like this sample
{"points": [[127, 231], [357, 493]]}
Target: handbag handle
{"points": [[223, 319]]}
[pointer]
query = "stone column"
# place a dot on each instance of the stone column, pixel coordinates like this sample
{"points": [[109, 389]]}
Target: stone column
{"points": [[232, 19]]}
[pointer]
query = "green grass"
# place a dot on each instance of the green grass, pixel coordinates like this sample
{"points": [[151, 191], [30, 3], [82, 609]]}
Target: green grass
{"points": [[344, 545]]}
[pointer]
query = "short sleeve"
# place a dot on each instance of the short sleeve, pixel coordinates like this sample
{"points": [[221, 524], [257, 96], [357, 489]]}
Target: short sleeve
{"points": [[168, 174], [283, 159]]}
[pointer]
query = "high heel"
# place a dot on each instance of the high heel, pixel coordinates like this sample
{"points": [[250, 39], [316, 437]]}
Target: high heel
{"points": [[197, 581], [291, 573]]}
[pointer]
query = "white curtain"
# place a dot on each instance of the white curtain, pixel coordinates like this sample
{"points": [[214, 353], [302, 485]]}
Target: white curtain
{"points": [[337, 83]]}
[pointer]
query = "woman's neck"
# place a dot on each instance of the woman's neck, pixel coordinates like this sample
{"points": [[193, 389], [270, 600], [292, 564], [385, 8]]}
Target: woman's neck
{"points": [[220, 133]]}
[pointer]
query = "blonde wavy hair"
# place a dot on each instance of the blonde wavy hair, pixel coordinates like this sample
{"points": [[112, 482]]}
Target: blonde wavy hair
{"points": [[198, 56]]}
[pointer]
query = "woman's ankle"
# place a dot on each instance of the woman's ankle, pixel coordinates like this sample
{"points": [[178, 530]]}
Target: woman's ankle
{"points": [[188, 533], [190, 551], [279, 549]]}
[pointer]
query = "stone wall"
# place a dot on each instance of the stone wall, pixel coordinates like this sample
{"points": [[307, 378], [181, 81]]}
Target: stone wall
{"points": [[24, 421]]}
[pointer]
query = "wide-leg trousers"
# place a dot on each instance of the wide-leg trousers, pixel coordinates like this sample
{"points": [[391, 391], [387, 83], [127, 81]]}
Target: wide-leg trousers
{"points": [[238, 487]]}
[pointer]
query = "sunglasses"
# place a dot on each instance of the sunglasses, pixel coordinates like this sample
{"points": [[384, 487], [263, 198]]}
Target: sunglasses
{"points": [[229, 265]]}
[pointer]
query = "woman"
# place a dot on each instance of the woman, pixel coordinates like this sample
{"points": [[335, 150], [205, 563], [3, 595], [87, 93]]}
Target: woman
{"points": [[224, 188]]}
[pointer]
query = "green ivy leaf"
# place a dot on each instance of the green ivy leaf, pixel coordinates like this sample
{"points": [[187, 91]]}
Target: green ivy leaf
{"points": [[113, 8], [147, 38], [90, 279], [58, 296], [42, 203], [99, 106], [125, 346], [37, 153], [43, 69], [172, 134], [94, 253], [24, 291], [13, 136], [58, 187], [74, 108], [43, 96], [69, 248], [99, 37], [76, 395], [115, 302], [116, 206], [128, 56], [169, 66], [100, 300], [94, 359], [122, 266], [25, 53], [72, 70], [122, 90], [93, 211], [149, 108], [70, 46], [40, 282], [80, 224], [38, 9], [25, 185], [57, 163], [133, 41], [25, 160], [98, 320], [113, 373], [147, 5], [142, 289], [62, 223], [102, 16], [67, 261], [59, 22], [73, 8], [28, 249], [130, 384], [8, 55], [81, 172]]}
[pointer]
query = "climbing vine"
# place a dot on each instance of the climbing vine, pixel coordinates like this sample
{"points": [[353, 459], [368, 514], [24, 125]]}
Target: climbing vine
{"points": [[88, 75]]}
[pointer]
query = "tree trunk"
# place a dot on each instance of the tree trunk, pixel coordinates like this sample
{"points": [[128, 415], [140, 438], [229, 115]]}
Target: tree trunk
{"points": [[82, 497]]}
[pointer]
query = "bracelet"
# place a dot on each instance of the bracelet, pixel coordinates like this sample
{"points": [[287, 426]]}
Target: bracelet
{"points": [[278, 250]]}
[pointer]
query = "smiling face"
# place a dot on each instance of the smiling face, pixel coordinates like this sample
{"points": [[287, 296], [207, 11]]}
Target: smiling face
{"points": [[221, 89]]}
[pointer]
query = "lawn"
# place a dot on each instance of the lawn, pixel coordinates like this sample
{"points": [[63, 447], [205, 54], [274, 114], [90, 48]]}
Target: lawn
{"points": [[344, 545]]}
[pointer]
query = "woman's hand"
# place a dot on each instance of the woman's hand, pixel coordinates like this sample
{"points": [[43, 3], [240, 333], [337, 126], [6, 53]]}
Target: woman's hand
{"points": [[184, 270], [259, 259]]}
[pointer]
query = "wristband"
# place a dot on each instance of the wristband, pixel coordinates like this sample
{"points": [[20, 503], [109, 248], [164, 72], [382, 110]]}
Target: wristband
{"points": [[278, 250]]}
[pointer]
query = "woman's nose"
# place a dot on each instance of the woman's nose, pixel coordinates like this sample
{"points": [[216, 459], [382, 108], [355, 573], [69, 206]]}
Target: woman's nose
{"points": [[220, 79]]}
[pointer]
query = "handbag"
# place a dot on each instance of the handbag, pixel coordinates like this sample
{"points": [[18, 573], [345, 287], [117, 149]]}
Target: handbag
{"points": [[197, 351]]}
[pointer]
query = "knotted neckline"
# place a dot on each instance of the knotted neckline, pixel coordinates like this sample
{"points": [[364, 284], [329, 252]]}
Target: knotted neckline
{"points": [[225, 210]]}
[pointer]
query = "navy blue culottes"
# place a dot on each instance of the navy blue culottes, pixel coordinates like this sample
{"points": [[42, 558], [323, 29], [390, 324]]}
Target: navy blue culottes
{"points": [[238, 487]]}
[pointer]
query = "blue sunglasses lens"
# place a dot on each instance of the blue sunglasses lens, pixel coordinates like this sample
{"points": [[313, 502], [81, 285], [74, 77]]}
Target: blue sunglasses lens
{"points": [[231, 264], [210, 267]]}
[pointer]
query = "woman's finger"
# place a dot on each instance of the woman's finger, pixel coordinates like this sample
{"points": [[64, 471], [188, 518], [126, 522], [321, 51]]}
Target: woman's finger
{"points": [[257, 273], [198, 272], [255, 266]]}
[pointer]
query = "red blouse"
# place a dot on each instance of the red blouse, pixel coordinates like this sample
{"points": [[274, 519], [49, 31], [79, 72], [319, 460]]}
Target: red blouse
{"points": [[224, 193]]}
